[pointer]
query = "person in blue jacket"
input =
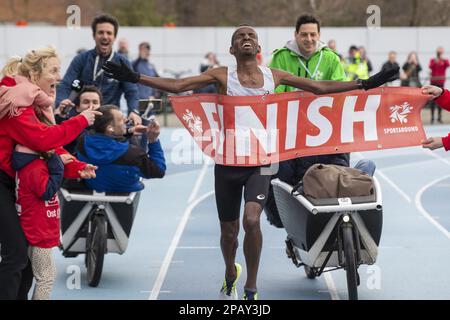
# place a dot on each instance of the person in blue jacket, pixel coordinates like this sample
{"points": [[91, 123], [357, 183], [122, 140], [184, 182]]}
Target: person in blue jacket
{"points": [[120, 163], [87, 67]]}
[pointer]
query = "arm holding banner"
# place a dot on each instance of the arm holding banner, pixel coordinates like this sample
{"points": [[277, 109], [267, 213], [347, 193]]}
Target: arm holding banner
{"points": [[442, 98], [325, 87], [436, 143], [181, 85], [123, 73]]}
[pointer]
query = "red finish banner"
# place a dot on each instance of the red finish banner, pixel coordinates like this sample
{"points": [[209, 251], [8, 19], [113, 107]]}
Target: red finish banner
{"points": [[258, 130]]}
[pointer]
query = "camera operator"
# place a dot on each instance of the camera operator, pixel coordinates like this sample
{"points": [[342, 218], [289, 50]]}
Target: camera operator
{"points": [[120, 163]]}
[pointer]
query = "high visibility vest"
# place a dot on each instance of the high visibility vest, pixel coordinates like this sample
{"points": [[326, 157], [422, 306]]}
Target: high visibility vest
{"points": [[357, 70]]}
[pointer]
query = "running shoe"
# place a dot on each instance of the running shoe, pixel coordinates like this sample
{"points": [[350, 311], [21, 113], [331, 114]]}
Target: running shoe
{"points": [[250, 296], [229, 292]]}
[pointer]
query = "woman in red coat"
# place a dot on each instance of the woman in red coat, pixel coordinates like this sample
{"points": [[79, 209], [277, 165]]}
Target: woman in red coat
{"points": [[442, 98], [19, 125]]}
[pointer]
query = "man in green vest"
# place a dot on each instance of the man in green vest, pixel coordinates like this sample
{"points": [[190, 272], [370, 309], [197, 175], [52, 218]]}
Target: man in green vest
{"points": [[306, 56]]}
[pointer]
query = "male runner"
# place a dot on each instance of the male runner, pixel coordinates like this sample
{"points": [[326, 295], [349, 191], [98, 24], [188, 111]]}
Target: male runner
{"points": [[245, 79]]}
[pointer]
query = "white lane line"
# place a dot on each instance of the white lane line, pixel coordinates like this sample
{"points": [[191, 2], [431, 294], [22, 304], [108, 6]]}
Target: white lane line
{"points": [[405, 165], [173, 246], [393, 185], [331, 286], [435, 155], [199, 181], [425, 213]]}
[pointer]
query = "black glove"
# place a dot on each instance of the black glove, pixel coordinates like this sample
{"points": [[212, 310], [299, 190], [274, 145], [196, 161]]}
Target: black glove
{"points": [[121, 72], [380, 78]]}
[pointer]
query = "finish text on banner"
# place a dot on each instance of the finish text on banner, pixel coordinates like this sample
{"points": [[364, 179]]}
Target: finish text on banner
{"points": [[258, 130]]}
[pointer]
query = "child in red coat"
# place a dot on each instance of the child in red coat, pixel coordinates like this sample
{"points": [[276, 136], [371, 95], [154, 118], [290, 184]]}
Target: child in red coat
{"points": [[38, 178]]}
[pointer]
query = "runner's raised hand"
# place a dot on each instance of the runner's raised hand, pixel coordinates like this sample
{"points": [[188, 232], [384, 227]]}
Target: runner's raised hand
{"points": [[120, 72], [379, 79]]}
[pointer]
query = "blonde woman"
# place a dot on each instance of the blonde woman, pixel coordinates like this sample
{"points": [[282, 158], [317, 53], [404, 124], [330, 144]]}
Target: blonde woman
{"points": [[29, 84]]}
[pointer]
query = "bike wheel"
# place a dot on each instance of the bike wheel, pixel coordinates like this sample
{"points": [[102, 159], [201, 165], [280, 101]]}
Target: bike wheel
{"points": [[350, 262], [310, 272], [96, 250]]}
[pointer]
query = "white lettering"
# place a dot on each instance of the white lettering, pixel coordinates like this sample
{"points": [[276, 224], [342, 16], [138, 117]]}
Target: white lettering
{"points": [[52, 213], [321, 122], [291, 125], [210, 110], [368, 116], [185, 150], [247, 122]]}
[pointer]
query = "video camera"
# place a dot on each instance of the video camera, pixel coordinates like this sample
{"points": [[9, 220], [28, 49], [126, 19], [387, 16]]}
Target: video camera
{"points": [[147, 107]]}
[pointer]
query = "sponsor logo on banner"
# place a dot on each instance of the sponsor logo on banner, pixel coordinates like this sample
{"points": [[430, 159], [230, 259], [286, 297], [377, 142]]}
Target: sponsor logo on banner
{"points": [[400, 113], [193, 122], [259, 130]]}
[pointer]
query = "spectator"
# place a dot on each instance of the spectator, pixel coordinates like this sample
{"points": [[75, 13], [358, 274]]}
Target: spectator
{"points": [[306, 56], [391, 64], [90, 98], [120, 164], [38, 178], [143, 65], [123, 47], [355, 68], [210, 62], [411, 69], [364, 58], [333, 46], [438, 67], [442, 98], [29, 83], [326, 62], [87, 67]]}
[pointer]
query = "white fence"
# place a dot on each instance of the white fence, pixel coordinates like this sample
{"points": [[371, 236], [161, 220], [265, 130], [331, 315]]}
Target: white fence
{"points": [[182, 49]]}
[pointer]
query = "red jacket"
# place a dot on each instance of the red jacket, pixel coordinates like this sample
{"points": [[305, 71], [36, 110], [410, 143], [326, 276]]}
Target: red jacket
{"points": [[444, 102], [438, 69], [27, 130], [37, 183]]}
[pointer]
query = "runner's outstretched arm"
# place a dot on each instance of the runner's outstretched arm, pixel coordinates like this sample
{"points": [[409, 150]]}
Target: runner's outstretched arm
{"points": [[324, 87], [122, 72]]}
